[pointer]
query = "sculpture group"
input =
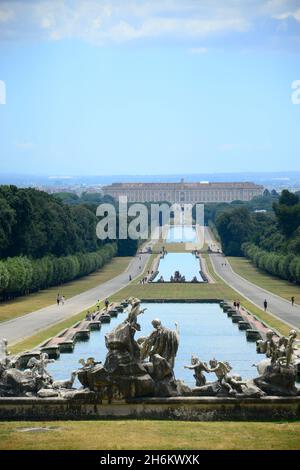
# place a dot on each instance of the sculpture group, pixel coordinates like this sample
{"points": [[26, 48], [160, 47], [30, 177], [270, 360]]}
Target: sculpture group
{"points": [[144, 367], [177, 277]]}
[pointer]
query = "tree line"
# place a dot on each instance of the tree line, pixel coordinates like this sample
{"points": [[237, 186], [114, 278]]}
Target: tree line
{"points": [[35, 224], [271, 239], [281, 265], [22, 275], [45, 241]]}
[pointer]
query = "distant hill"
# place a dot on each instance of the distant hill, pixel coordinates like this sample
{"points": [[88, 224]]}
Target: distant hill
{"points": [[276, 180]]}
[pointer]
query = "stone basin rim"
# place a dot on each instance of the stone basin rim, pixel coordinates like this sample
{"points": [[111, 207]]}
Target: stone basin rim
{"points": [[151, 400]]}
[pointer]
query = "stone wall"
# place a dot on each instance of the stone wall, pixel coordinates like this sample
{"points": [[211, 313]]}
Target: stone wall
{"points": [[191, 409]]}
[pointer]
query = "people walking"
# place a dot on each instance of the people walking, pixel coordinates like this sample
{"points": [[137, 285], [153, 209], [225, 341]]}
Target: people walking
{"points": [[88, 316], [58, 299], [265, 305], [63, 300], [292, 300], [106, 303]]}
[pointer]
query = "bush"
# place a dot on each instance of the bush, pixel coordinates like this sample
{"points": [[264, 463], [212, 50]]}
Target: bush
{"points": [[284, 266]]}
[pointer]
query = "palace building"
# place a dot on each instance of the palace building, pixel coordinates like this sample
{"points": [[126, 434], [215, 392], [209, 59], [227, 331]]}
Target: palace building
{"points": [[184, 192]]}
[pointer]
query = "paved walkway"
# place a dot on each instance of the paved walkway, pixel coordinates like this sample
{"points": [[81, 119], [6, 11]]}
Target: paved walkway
{"points": [[27, 325], [277, 306]]}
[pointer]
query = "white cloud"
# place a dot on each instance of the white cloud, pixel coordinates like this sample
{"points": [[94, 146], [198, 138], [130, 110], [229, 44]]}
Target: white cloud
{"points": [[101, 21], [290, 14], [6, 15]]}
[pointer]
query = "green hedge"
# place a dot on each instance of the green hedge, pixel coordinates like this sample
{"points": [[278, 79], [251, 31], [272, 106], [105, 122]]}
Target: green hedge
{"points": [[20, 275], [284, 266]]}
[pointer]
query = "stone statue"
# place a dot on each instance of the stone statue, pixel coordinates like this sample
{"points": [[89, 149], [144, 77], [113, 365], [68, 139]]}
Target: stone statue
{"points": [[198, 367], [66, 384], [289, 349], [90, 362], [268, 346], [135, 312], [162, 341], [3, 349], [278, 377], [38, 367], [219, 368]]}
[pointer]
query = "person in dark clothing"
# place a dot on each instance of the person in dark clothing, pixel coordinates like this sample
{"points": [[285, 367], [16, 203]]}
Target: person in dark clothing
{"points": [[292, 300], [265, 304]]}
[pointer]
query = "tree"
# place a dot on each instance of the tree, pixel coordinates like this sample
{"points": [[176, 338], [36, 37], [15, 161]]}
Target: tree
{"points": [[4, 276], [234, 227], [288, 199], [288, 213], [20, 274]]}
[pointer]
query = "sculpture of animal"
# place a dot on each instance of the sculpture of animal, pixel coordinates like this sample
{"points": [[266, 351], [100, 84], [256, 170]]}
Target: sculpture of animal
{"points": [[65, 383]]}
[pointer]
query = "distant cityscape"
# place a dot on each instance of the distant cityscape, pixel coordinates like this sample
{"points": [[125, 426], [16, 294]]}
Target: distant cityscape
{"points": [[94, 184]]}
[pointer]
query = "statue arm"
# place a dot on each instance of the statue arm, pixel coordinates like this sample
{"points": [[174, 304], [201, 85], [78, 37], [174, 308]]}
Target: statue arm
{"points": [[213, 369]]}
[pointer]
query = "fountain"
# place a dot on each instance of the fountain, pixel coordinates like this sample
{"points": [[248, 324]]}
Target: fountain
{"points": [[144, 368]]}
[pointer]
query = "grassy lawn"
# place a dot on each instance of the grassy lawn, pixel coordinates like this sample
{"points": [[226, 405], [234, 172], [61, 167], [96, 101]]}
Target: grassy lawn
{"points": [[273, 322], [245, 268], [147, 435], [22, 305]]}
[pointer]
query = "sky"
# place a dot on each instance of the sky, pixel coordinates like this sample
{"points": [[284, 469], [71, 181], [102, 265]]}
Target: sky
{"points": [[104, 87]]}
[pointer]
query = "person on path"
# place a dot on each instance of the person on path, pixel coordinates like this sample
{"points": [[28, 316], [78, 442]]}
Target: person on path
{"points": [[63, 300], [106, 303], [292, 300], [88, 316], [58, 299], [265, 305]]}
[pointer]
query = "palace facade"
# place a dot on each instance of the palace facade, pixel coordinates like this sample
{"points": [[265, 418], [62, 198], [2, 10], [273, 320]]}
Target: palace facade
{"points": [[183, 192]]}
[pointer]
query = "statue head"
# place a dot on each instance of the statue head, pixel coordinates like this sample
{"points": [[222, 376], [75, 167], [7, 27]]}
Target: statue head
{"points": [[194, 360], [156, 323], [135, 302], [269, 334], [213, 362], [293, 333], [282, 341]]}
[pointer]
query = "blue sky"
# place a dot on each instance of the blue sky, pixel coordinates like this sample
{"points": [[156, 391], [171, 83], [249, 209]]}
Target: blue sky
{"points": [[140, 87]]}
